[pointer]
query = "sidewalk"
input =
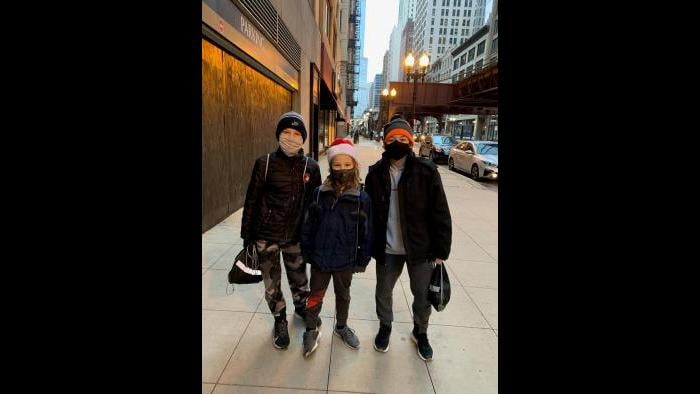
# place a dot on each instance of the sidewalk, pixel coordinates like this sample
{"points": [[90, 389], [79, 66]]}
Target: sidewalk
{"points": [[238, 357]]}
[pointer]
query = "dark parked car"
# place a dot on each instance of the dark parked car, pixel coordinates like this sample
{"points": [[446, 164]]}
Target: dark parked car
{"points": [[436, 147]]}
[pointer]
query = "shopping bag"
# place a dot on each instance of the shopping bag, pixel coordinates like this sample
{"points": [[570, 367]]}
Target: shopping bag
{"points": [[439, 291]]}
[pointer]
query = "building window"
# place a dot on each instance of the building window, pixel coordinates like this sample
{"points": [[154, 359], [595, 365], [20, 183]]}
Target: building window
{"points": [[479, 64], [494, 44], [469, 13], [463, 59], [481, 47], [464, 22], [431, 40], [469, 69], [457, 12], [434, 3], [431, 31], [495, 26], [467, 32], [433, 11], [471, 55], [432, 22]]}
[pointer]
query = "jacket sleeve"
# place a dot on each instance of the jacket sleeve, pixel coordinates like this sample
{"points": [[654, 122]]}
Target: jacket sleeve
{"points": [[314, 182], [307, 230], [365, 236], [252, 201], [440, 221]]}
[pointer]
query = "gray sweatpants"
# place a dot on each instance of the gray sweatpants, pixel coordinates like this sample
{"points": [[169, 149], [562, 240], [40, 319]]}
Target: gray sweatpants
{"points": [[419, 275]]}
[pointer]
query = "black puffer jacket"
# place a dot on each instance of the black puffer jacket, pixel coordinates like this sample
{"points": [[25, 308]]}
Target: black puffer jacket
{"points": [[274, 207], [426, 223]]}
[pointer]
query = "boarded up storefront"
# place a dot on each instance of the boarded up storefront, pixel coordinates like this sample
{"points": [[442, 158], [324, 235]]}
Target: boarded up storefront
{"points": [[240, 109]]}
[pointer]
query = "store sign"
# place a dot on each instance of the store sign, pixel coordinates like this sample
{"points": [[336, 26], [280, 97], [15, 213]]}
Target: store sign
{"points": [[225, 17]]}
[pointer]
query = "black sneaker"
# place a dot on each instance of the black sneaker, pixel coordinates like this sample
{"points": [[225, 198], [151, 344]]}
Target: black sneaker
{"points": [[381, 341], [424, 350], [280, 336]]}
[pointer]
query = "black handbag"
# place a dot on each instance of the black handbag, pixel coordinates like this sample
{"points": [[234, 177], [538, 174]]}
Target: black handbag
{"points": [[439, 291], [246, 267]]}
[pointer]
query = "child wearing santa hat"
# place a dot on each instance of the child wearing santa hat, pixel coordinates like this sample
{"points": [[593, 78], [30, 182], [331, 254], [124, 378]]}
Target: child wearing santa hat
{"points": [[336, 239]]}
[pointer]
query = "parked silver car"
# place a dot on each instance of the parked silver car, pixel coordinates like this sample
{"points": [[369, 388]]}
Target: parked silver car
{"points": [[478, 158]]}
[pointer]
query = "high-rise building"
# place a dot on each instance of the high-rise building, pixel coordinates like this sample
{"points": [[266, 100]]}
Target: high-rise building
{"points": [[361, 94], [363, 19], [394, 55], [363, 90], [407, 10], [406, 45], [377, 88], [444, 24]]}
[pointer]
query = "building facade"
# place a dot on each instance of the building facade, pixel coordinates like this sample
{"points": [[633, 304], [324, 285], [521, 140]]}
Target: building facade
{"points": [[444, 24], [261, 58]]}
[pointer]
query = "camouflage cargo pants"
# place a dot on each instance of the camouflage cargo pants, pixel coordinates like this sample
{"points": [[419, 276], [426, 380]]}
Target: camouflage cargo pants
{"points": [[269, 257]]}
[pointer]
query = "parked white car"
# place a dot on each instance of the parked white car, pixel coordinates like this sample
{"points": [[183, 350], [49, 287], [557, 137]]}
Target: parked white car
{"points": [[478, 158]]}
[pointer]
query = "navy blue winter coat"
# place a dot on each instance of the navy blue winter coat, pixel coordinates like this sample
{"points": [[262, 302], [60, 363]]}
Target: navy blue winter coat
{"points": [[337, 232]]}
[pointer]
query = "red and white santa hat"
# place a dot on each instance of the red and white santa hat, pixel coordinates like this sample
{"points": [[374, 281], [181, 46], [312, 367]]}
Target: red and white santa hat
{"points": [[341, 146]]}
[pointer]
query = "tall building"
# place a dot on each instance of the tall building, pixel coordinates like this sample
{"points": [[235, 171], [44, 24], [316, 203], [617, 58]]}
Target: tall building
{"points": [[407, 10], [386, 64], [363, 90], [406, 45], [350, 38], [377, 88], [394, 70], [361, 94], [444, 24], [363, 19]]}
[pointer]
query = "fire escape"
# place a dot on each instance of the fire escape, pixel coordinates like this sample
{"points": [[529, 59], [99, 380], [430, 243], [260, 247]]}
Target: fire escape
{"points": [[353, 55]]}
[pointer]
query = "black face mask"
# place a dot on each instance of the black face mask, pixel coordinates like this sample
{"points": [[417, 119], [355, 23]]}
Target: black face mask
{"points": [[396, 150], [342, 176]]}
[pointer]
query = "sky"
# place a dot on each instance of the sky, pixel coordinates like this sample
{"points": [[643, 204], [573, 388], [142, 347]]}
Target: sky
{"points": [[381, 18]]}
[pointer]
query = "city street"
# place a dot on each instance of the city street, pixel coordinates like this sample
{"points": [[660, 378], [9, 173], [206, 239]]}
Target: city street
{"points": [[238, 356]]}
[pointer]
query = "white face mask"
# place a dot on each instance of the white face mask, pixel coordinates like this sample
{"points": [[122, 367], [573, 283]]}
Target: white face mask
{"points": [[291, 144]]}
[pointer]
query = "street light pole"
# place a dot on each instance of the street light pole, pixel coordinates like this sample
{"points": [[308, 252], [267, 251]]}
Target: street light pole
{"points": [[415, 73]]}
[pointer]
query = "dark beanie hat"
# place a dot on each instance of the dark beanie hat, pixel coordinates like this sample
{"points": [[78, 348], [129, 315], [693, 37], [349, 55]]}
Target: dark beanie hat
{"points": [[398, 126], [291, 120], [396, 116]]}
